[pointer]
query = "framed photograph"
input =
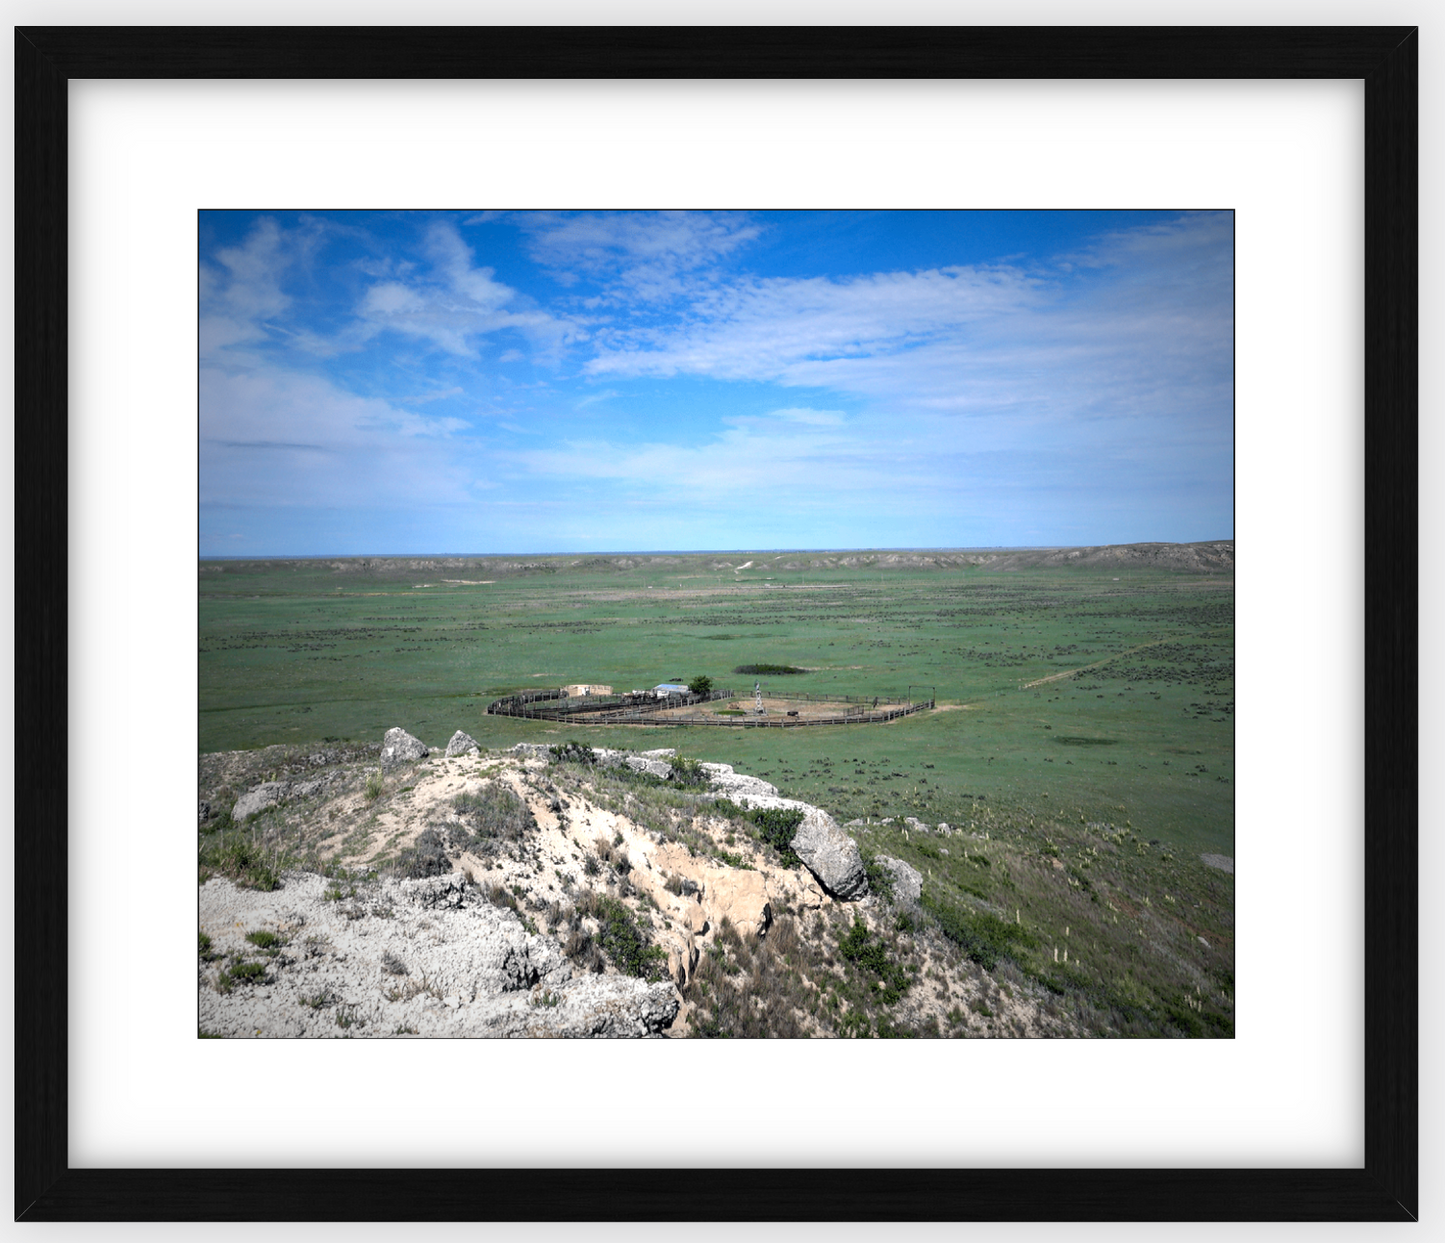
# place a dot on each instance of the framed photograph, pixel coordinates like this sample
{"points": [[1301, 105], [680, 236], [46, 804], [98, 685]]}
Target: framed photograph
{"points": [[58, 1173]]}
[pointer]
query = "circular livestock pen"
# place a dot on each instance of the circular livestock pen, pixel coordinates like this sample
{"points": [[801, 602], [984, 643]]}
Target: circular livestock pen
{"points": [[727, 708]]}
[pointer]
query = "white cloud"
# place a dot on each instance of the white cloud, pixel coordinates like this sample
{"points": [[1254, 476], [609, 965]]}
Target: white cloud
{"points": [[460, 303], [784, 329], [637, 256]]}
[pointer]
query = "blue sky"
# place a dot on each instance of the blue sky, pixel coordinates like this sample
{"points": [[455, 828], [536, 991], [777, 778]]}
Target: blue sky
{"points": [[511, 382]]}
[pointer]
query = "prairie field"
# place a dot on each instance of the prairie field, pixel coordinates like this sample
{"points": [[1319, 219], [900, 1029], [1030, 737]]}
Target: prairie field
{"points": [[1083, 734]]}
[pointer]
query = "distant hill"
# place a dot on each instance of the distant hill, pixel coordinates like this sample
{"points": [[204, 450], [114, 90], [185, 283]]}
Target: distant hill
{"points": [[1207, 557]]}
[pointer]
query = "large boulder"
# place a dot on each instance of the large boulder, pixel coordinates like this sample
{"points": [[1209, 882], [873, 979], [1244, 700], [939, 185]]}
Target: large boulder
{"points": [[831, 855], [263, 796], [462, 744], [399, 747], [907, 881]]}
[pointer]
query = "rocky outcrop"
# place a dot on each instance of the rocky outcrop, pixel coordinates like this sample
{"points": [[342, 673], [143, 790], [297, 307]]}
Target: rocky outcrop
{"points": [[424, 957], [739, 787], [907, 881], [831, 855], [399, 747], [462, 744], [261, 798]]}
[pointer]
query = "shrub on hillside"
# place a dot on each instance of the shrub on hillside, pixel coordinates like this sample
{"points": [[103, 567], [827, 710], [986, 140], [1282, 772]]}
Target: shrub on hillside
{"points": [[984, 937], [573, 752], [777, 826]]}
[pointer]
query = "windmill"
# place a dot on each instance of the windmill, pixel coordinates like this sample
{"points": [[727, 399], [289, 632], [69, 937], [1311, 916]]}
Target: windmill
{"points": [[758, 696]]}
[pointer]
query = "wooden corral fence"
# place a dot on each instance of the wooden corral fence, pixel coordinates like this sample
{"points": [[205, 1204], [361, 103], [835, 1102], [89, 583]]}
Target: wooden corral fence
{"points": [[634, 710], [609, 709], [860, 715]]}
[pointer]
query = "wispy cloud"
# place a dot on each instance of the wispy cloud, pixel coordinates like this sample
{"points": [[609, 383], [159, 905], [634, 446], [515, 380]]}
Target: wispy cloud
{"points": [[456, 303], [650, 257]]}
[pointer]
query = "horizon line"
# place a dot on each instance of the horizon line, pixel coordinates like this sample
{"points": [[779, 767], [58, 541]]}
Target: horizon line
{"points": [[693, 552]]}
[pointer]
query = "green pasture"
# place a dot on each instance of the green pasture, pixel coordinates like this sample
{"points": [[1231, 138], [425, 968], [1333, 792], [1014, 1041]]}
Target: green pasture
{"points": [[295, 652]]}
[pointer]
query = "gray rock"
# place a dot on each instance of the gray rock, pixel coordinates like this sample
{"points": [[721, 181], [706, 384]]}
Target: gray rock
{"points": [[264, 796], [595, 1006], [655, 768], [739, 787], [462, 744], [399, 747], [907, 881], [831, 855], [204, 810]]}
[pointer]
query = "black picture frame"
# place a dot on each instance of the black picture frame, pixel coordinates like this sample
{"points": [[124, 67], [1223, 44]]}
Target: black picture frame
{"points": [[1386, 1188]]}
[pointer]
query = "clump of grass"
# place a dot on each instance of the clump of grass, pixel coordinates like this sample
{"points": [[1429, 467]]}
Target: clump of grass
{"points": [[374, 784], [751, 987], [425, 857], [238, 857], [493, 814], [206, 953], [265, 940], [240, 973]]}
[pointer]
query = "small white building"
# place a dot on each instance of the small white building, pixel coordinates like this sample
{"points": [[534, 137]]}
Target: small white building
{"points": [[586, 688]]}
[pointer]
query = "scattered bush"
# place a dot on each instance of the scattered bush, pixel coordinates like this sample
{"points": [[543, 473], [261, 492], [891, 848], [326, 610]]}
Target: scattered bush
{"points": [[859, 946], [777, 826], [686, 772], [772, 670], [984, 937], [880, 879], [573, 752], [700, 685], [621, 939]]}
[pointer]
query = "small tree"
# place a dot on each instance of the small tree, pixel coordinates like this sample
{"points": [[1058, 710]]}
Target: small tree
{"points": [[700, 685]]}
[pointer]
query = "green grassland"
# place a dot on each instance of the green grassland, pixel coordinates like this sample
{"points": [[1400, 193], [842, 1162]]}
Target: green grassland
{"points": [[1085, 801], [304, 651]]}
